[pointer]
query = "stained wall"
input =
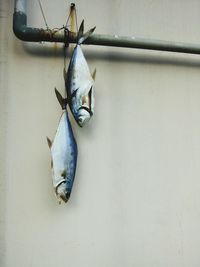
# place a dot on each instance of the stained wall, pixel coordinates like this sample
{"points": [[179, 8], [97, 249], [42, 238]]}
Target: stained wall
{"points": [[136, 200]]}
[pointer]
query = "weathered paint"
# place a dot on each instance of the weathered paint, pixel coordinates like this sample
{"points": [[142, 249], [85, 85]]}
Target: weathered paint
{"points": [[135, 199]]}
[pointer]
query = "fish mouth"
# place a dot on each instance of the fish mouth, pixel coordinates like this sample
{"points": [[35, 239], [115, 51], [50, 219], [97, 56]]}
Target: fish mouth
{"points": [[62, 192], [83, 118], [81, 121], [65, 196]]}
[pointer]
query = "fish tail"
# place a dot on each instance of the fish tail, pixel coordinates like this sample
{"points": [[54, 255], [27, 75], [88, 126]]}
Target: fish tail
{"points": [[63, 101], [83, 36]]}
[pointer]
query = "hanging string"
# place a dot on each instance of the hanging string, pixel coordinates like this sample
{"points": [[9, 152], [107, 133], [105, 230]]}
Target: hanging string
{"points": [[76, 21], [65, 27], [65, 53], [45, 21], [72, 9], [70, 13]]}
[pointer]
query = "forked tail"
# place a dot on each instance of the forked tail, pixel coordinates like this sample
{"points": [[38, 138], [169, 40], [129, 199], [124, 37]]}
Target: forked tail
{"points": [[83, 36]]}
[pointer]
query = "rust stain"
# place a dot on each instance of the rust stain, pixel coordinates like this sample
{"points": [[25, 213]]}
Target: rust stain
{"points": [[55, 46]]}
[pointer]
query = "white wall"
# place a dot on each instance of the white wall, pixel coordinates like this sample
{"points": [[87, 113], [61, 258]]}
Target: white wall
{"points": [[135, 201]]}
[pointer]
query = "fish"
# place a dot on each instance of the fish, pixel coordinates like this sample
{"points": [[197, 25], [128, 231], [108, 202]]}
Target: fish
{"points": [[79, 82], [63, 154]]}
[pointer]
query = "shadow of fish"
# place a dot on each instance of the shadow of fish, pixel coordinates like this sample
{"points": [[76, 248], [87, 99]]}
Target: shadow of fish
{"points": [[79, 82], [63, 155]]}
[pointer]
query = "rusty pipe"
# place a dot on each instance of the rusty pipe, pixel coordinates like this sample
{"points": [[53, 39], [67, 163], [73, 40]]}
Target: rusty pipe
{"points": [[30, 34]]}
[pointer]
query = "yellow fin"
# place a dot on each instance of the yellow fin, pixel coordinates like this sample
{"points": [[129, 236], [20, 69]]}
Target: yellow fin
{"points": [[94, 74]]}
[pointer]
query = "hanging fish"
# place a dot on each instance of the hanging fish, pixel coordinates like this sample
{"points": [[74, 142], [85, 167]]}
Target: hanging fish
{"points": [[63, 154], [79, 82]]}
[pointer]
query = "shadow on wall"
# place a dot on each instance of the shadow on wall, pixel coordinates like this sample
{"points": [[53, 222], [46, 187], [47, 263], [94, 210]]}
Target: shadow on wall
{"points": [[119, 55]]}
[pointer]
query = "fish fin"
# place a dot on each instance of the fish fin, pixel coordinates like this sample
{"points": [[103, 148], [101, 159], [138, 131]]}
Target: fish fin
{"points": [[63, 101], [64, 74], [83, 36], [49, 142], [94, 74], [90, 99], [80, 31]]}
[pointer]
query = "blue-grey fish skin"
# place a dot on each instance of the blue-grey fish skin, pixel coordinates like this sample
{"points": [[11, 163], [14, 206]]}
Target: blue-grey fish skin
{"points": [[68, 83], [72, 159], [79, 85], [64, 158]]}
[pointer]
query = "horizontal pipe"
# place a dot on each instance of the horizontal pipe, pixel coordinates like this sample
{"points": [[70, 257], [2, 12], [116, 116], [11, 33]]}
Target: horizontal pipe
{"points": [[30, 34]]}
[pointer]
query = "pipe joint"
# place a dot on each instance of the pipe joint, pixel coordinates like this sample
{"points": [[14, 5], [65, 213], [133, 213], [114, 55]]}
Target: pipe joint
{"points": [[21, 30]]}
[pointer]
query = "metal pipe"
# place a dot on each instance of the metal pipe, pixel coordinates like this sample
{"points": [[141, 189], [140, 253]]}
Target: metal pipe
{"points": [[30, 34]]}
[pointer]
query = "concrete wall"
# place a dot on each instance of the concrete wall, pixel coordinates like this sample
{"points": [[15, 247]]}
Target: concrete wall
{"points": [[136, 197]]}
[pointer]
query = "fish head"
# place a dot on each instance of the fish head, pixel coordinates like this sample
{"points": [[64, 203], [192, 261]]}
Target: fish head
{"points": [[83, 116], [86, 108], [62, 192]]}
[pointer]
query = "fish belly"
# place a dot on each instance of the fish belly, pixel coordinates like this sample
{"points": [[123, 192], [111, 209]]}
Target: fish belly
{"points": [[80, 72]]}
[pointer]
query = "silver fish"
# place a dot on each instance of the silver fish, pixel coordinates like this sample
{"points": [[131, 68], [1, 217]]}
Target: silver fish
{"points": [[63, 155], [79, 83]]}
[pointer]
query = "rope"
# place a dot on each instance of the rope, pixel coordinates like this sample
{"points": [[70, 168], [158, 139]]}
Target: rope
{"points": [[72, 8], [45, 21]]}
